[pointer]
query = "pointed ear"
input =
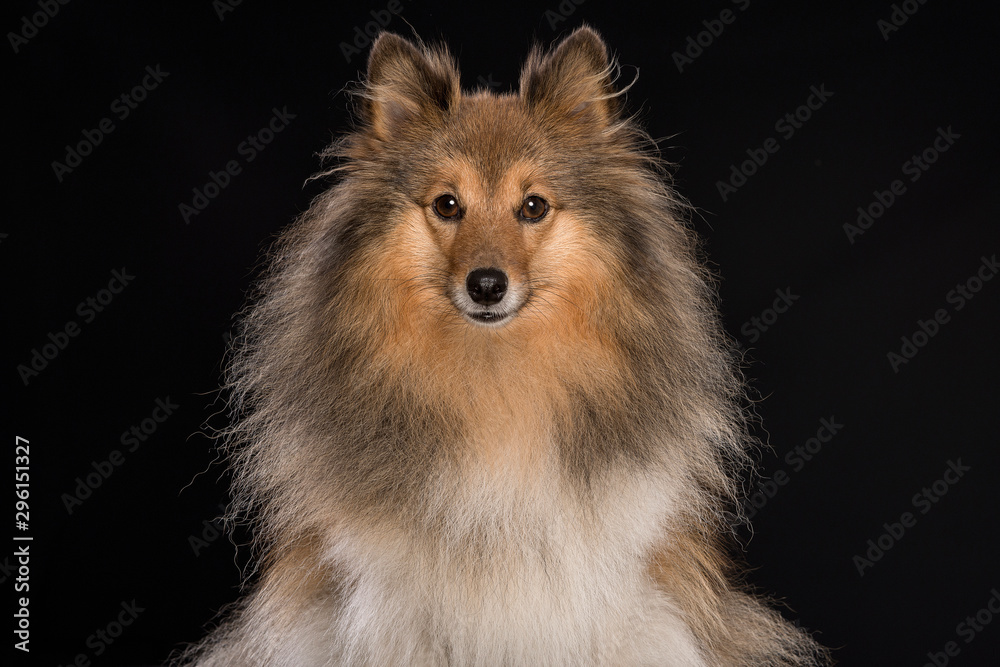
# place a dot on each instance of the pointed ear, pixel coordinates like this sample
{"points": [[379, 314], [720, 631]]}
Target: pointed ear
{"points": [[573, 81], [407, 82]]}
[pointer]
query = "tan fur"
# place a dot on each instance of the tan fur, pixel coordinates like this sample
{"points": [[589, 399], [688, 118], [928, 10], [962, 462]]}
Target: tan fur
{"points": [[550, 491]]}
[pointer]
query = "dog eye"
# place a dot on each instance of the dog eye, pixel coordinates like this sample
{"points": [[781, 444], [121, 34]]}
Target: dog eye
{"points": [[534, 208], [447, 207]]}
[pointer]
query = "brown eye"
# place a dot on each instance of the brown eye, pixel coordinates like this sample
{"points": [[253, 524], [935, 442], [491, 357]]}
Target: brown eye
{"points": [[534, 208], [447, 207]]}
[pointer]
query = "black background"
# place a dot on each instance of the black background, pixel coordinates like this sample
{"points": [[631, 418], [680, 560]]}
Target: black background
{"points": [[164, 334]]}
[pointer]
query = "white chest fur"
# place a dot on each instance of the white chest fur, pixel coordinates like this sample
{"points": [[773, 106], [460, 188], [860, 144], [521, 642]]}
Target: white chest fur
{"points": [[514, 570]]}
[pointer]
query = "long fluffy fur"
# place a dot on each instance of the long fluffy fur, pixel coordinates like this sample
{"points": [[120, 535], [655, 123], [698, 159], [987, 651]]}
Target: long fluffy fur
{"points": [[558, 491]]}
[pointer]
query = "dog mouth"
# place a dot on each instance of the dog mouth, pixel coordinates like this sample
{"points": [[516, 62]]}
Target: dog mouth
{"points": [[489, 318]]}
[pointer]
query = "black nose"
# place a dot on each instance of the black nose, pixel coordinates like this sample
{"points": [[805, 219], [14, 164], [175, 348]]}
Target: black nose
{"points": [[486, 286]]}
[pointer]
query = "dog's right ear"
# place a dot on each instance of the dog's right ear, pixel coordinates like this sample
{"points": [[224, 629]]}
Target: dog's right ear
{"points": [[407, 83]]}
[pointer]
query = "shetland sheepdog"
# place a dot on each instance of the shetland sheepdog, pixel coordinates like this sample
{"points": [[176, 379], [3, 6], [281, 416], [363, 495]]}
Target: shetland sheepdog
{"points": [[486, 413]]}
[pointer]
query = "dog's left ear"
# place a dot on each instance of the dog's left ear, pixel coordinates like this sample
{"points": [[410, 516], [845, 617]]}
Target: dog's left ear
{"points": [[573, 81]]}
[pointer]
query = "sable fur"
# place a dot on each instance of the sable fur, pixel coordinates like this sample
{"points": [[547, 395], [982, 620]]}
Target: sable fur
{"points": [[555, 491]]}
